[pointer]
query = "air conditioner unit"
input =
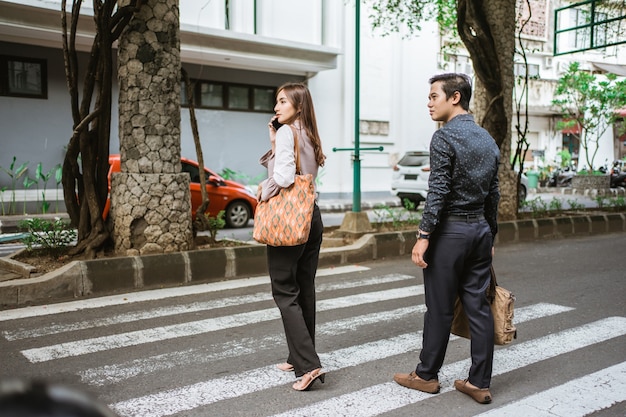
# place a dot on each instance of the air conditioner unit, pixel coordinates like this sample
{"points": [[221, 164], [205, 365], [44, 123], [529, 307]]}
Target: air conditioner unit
{"points": [[547, 62]]}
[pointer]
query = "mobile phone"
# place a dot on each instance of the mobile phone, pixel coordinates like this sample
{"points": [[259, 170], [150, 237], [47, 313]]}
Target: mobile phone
{"points": [[276, 124]]}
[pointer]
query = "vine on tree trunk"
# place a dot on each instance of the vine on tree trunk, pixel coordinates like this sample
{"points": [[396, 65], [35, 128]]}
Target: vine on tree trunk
{"points": [[85, 166]]}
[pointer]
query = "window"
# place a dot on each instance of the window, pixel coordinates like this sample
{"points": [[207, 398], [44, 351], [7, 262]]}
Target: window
{"points": [[225, 96], [211, 95], [582, 35], [238, 98], [264, 98], [194, 171], [23, 77], [415, 159], [533, 70]]}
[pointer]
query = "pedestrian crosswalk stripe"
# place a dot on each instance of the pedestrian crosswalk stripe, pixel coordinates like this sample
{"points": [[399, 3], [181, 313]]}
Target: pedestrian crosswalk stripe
{"points": [[386, 397], [208, 392], [115, 373], [156, 334], [187, 308], [158, 294], [599, 390]]}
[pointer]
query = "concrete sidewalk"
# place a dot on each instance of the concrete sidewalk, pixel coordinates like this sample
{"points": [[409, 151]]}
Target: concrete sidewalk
{"points": [[9, 230], [80, 279]]}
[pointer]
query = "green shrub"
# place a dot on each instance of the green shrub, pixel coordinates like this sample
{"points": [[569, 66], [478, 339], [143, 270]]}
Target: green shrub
{"points": [[601, 201], [397, 216], [618, 203], [52, 236], [538, 207], [556, 204], [575, 205], [14, 173], [215, 224]]}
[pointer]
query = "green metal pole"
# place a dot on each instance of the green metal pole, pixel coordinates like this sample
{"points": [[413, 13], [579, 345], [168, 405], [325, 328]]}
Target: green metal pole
{"points": [[356, 194]]}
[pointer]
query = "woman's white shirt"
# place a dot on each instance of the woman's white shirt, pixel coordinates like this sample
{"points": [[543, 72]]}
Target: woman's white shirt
{"points": [[285, 160], [281, 164]]}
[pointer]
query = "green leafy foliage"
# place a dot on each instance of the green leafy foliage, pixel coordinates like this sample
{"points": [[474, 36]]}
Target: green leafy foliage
{"points": [[241, 177], [2, 190], [395, 16], [618, 203], [538, 207], [590, 102], [58, 177], [14, 173], [42, 177], [215, 224], [52, 236], [575, 205], [28, 182], [397, 216]]}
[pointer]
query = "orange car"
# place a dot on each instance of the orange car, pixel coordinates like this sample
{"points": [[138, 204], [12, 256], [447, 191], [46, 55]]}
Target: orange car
{"points": [[237, 201]]}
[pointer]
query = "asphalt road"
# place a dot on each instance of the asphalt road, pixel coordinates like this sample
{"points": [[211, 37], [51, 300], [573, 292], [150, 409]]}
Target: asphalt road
{"points": [[210, 350]]}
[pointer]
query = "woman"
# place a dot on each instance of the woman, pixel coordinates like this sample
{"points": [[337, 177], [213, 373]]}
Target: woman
{"points": [[292, 268]]}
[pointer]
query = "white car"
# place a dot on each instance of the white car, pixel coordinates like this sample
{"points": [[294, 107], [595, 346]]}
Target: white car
{"points": [[409, 180]]}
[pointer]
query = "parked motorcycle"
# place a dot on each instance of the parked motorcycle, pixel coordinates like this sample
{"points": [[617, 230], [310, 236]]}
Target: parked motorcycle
{"points": [[618, 177], [561, 177]]}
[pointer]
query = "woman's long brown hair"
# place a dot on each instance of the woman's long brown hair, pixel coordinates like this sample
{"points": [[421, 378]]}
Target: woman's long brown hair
{"points": [[300, 98]]}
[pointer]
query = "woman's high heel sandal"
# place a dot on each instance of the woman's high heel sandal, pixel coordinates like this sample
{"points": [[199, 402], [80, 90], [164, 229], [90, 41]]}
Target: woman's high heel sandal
{"points": [[304, 383], [285, 367]]}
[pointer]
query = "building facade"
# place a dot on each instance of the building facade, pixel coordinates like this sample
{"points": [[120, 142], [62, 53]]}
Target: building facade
{"points": [[238, 52]]}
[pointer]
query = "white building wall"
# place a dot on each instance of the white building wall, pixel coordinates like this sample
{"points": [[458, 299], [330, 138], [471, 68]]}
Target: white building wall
{"points": [[394, 87], [394, 75]]}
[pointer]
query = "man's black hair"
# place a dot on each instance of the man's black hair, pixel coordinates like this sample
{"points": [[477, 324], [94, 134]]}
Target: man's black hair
{"points": [[452, 82]]}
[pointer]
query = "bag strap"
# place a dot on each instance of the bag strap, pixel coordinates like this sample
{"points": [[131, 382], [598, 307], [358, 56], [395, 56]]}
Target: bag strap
{"points": [[493, 283], [296, 149]]}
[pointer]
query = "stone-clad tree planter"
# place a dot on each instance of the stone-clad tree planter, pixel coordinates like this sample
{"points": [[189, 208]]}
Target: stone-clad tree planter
{"points": [[150, 200]]}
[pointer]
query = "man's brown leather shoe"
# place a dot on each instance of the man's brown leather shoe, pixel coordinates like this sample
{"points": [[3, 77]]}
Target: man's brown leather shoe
{"points": [[481, 395], [415, 382]]}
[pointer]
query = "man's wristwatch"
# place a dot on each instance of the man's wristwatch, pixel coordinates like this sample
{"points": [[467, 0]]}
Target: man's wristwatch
{"points": [[422, 235]]}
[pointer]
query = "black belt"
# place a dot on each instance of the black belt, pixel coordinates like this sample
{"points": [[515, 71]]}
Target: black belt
{"points": [[467, 218]]}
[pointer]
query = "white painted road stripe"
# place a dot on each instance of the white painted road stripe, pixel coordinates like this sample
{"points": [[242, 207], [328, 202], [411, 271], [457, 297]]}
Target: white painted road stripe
{"points": [[390, 396], [208, 392], [98, 344], [110, 374], [160, 294], [599, 390], [178, 309], [114, 373]]}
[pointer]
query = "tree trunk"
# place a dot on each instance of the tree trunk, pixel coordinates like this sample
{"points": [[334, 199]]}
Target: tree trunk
{"points": [[85, 166], [150, 198], [201, 222], [487, 28]]}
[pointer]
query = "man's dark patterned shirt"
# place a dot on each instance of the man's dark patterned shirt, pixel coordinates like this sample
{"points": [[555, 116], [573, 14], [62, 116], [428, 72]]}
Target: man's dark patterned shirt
{"points": [[463, 177]]}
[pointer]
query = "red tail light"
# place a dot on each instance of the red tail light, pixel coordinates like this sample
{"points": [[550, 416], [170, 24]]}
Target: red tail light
{"points": [[426, 169]]}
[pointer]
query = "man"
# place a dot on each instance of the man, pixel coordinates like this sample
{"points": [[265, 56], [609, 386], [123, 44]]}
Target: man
{"points": [[455, 238]]}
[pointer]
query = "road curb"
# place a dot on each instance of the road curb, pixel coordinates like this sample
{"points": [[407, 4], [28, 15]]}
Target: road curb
{"points": [[99, 277]]}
